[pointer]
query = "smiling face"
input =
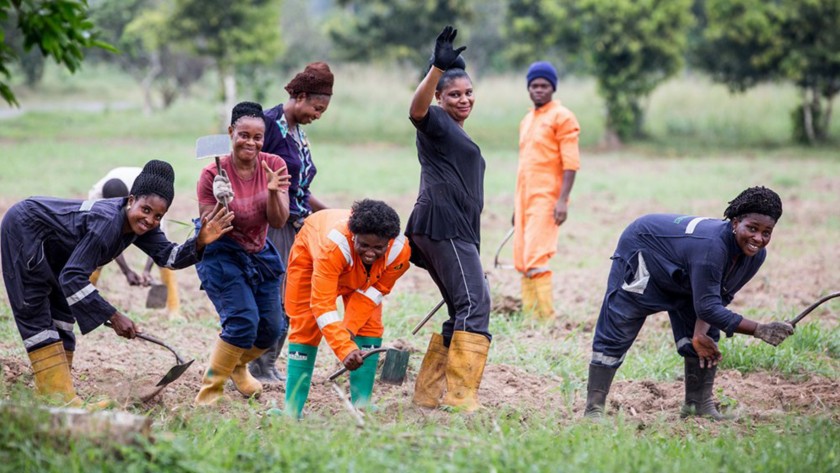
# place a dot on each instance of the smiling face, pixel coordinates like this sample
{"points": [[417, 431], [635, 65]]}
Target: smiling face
{"points": [[752, 232], [246, 136], [540, 91], [309, 108], [370, 247], [144, 213], [457, 98]]}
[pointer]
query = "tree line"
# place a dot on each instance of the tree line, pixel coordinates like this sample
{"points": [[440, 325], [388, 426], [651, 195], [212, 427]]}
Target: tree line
{"points": [[629, 47]]}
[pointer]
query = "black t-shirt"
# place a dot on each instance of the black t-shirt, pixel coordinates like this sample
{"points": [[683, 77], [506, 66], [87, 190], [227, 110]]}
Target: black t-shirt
{"points": [[451, 194]]}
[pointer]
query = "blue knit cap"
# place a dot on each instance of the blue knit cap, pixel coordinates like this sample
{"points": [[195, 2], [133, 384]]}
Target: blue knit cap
{"points": [[544, 70]]}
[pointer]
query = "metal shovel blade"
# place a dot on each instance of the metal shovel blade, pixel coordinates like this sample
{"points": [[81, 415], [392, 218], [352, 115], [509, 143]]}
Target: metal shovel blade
{"points": [[156, 299], [395, 367], [211, 146], [174, 373]]}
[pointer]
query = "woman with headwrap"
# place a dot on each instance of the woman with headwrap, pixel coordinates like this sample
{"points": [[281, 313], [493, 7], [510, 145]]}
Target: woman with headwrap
{"points": [[691, 267], [309, 97], [444, 229], [241, 272], [51, 246]]}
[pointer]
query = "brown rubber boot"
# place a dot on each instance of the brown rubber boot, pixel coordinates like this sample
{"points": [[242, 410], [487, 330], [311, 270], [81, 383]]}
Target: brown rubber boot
{"points": [[246, 384], [545, 299], [699, 391], [52, 374], [600, 380], [464, 370], [173, 302], [529, 295], [223, 360], [94, 277], [430, 382]]}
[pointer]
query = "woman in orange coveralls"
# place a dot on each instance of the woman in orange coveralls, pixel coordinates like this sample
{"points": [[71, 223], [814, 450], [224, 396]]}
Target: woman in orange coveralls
{"points": [[357, 254]]}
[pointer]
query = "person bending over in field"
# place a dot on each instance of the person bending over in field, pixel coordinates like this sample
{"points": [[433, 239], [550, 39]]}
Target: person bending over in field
{"points": [[357, 254], [50, 248], [117, 183], [444, 229], [241, 272], [691, 267]]}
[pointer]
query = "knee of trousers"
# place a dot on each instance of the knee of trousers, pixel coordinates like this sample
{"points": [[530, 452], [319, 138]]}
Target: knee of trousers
{"points": [[240, 330]]}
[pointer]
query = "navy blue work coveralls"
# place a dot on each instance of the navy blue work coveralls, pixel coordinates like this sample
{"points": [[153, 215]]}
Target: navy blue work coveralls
{"points": [[244, 287], [688, 266], [51, 246]]}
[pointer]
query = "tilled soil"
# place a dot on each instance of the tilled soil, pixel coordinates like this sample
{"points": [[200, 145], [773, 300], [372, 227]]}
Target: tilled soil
{"points": [[800, 269]]}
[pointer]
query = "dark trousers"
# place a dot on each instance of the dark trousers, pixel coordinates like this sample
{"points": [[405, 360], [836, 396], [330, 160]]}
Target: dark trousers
{"points": [[245, 290], [38, 304], [623, 312], [283, 238], [455, 267]]}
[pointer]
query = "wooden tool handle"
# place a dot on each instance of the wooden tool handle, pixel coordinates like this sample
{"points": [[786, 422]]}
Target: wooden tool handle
{"points": [[812, 307], [364, 355], [427, 317]]}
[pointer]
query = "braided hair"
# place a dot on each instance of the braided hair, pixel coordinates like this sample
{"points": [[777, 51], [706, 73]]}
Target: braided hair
{"points": [[374, 217], [757, 200], [156, 178], [245, 109]]}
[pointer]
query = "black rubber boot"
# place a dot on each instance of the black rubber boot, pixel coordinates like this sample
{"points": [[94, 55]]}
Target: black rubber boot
{"points": [[699, 391], [600, 380], [264, 368]]}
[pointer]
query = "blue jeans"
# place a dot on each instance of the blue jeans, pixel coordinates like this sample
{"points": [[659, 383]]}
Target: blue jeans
{"points": [[245, 289]]}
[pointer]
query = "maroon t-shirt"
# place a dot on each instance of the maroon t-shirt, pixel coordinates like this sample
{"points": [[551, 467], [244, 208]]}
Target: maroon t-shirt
{"points": [[250, 199]]}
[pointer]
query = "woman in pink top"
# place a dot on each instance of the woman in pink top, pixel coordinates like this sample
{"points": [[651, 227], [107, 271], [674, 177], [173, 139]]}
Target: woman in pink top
{"points": [[241, 272]]}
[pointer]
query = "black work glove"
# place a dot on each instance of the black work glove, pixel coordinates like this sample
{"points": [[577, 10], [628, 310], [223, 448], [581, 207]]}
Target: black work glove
{"points": [[773, 333], [445, 54]]}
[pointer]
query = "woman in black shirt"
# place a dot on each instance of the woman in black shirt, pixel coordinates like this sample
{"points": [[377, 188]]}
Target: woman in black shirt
{"points": [[444, 229]]}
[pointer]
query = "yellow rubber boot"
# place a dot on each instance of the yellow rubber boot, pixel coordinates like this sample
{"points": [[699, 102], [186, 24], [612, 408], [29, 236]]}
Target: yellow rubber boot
{"points": [[94, 277], [545, 298], [223, 360], [431, 380], [529, 295], [245, 383], [464, 370], [173, 302], [69, 356], [52, 374]]}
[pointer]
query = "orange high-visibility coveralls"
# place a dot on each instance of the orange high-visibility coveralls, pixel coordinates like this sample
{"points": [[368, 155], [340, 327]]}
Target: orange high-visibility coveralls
{"points": [[323, 265], [548, 146]]}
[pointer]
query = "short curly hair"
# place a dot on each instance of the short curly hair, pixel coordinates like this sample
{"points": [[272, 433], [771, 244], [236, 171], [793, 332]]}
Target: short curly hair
{"points": [[755, 200], [374, 217]]}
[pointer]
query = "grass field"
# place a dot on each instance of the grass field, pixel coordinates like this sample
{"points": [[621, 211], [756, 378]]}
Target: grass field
{"points": [[705, 147]]}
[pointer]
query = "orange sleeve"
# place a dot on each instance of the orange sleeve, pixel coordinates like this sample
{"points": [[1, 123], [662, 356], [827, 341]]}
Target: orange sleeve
{"points": [[326, 271], [361, 304], [567, 132]]}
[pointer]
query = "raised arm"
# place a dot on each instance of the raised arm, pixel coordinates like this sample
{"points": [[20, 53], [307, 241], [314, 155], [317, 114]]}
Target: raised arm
{"points": [[445, 55]]}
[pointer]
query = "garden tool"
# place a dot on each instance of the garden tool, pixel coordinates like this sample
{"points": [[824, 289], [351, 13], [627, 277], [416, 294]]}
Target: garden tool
{"points": [[427, 317], [394, 369], [812, 307], [156, 298], [176, 371], [496, 263], [213, 146]]}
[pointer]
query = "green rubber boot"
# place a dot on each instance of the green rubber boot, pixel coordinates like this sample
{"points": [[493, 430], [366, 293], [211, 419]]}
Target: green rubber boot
{"points": [[361, 379], [299, 377]]}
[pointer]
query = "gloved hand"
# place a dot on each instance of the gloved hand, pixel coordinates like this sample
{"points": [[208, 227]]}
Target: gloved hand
{"points": [[222, 190], [773, 333], [445, 55]]}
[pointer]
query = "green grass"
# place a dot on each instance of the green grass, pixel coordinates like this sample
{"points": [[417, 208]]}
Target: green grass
{"points": [[504, 441], [705, 146]]}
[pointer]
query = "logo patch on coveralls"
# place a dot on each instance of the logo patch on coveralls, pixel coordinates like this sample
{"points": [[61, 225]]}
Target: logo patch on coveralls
{"points": [[298, 356], [398, 267]]}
